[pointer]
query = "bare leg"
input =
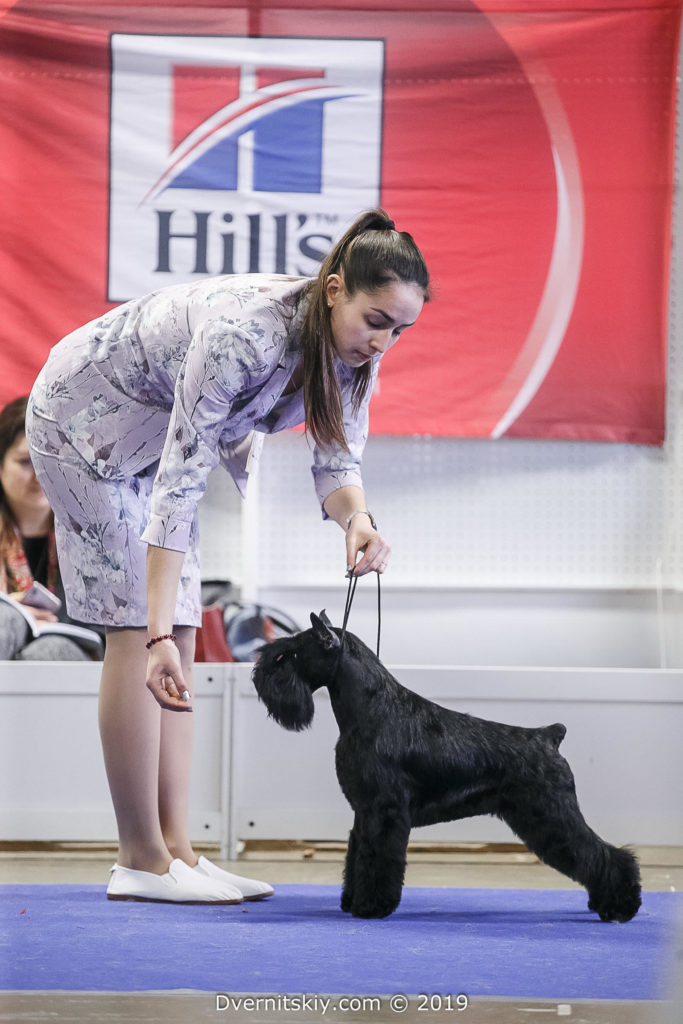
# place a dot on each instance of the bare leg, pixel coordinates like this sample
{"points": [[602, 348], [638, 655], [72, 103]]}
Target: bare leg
{"points": [[147, 753], [131, 724], [175, 756]]}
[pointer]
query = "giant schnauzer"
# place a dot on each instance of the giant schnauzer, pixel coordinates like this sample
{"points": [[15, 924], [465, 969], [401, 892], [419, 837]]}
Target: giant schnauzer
{"points": [[403, 761]]}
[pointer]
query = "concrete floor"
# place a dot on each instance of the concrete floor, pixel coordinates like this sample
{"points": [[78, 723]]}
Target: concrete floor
{"points": [[322, 863], [662, 870]]}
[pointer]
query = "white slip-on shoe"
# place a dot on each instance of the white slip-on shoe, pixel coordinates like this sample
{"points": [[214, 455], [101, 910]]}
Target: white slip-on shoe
{"points": [[180, 884], [250, 888]]}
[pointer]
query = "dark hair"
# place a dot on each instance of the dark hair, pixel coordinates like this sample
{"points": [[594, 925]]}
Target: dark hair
{"points": [[370, 255], [12, 425]]}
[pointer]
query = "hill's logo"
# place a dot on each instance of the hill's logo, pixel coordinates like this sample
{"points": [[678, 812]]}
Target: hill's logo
{"points": [[236, 155]]}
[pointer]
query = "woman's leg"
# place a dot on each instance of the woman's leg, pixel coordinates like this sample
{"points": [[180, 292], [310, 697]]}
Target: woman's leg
{"points": [[53, 648], [130, 729], [175, 756], [14, 631], [147, 753], [104, 571]]}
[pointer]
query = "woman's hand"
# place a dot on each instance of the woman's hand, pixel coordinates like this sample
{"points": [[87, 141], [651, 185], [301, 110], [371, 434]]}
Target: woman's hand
{"points": [[164, 668], [165, 677], [346, 506], [361, 536]]}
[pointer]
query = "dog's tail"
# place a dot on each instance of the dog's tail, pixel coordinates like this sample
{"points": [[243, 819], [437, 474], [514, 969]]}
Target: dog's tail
{"points": [[554, 733]]}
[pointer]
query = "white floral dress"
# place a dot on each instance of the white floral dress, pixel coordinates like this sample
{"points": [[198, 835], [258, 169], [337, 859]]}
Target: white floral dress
{"points": [[133, 411]]}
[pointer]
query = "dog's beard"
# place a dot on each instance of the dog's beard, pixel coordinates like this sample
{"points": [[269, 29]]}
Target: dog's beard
{"points": [[288, 699]]}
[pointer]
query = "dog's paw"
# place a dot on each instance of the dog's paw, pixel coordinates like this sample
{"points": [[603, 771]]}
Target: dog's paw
{"points": [[614, 908], [373, 910], [346, 903]]}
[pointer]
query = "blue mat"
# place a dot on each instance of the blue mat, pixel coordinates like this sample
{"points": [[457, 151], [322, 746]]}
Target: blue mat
{"points": [[481, 942]]}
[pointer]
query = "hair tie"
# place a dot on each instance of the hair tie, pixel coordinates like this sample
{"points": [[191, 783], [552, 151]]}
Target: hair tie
{"points": [[389, 226]]}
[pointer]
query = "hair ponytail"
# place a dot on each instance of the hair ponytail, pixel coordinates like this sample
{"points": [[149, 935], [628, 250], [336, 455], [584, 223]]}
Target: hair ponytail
{"points": [[371, 254]]}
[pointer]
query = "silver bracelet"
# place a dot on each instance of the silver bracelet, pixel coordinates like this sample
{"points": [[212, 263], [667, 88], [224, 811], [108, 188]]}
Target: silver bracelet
{"points": [[365, 512]]}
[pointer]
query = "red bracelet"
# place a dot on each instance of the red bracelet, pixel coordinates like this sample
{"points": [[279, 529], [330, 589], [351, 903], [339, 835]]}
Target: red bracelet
{"points": [[156, 639]]}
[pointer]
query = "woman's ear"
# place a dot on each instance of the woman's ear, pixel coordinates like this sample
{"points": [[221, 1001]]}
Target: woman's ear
{"points": [[334, 288]]}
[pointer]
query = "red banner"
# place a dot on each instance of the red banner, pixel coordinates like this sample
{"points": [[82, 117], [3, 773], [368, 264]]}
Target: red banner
{"points": [[528, 147]]}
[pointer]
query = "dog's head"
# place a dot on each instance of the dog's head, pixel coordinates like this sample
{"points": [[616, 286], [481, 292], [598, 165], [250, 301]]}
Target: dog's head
{"points": [[289, 670]]}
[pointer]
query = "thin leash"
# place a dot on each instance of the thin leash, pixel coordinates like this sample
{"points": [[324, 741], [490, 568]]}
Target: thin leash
{"points": [[353, 581]]}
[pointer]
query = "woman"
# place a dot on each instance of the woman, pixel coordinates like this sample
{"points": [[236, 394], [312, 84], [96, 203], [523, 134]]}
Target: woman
{"points": [[28, 552], [126, 421]]}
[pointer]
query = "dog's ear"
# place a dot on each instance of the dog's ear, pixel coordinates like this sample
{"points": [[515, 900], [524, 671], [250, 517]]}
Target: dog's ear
{"points": [[287, 697], [323, 631]]}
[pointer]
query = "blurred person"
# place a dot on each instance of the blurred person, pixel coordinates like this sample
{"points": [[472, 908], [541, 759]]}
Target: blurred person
{"points": [[28, 552]]}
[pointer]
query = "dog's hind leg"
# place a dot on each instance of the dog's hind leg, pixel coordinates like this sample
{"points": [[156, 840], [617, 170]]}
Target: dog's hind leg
{"points": [[548, 819], [376, 862]]}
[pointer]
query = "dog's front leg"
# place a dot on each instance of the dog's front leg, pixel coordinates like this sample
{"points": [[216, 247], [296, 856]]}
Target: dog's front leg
{"points": [[378, 860], [349, 871]]}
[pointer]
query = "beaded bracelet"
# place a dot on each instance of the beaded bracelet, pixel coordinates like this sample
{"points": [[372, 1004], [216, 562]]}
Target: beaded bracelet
{"points": [[156, 639]]}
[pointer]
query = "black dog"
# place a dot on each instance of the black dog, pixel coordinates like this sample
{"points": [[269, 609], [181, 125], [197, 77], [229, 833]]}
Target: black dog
{"points": [[404, 761]]}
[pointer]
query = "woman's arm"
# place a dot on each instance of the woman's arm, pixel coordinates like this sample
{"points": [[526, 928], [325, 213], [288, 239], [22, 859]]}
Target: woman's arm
{"points": [[213, 373], [164, 672], [361, 535]]}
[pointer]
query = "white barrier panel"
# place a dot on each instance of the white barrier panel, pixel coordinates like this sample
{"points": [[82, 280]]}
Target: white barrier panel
{"points": [[623, 743], [253, 780], [53, 785]]}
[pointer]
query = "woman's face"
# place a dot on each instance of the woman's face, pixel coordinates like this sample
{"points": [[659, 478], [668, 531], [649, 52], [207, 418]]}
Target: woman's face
{"points": [[19, 481], [368, 323]]}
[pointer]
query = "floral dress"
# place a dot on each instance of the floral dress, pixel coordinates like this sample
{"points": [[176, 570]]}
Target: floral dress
{"points": [[133, 411]]}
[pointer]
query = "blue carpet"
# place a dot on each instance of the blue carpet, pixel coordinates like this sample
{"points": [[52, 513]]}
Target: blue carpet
{"points": [[481, 942]]}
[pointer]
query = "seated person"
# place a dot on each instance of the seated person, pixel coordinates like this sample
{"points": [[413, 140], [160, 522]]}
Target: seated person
{"points": [[27, 550]]}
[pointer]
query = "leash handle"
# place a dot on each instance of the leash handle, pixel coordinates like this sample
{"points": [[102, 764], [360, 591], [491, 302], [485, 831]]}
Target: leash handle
{"points": [[350, 593]]}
